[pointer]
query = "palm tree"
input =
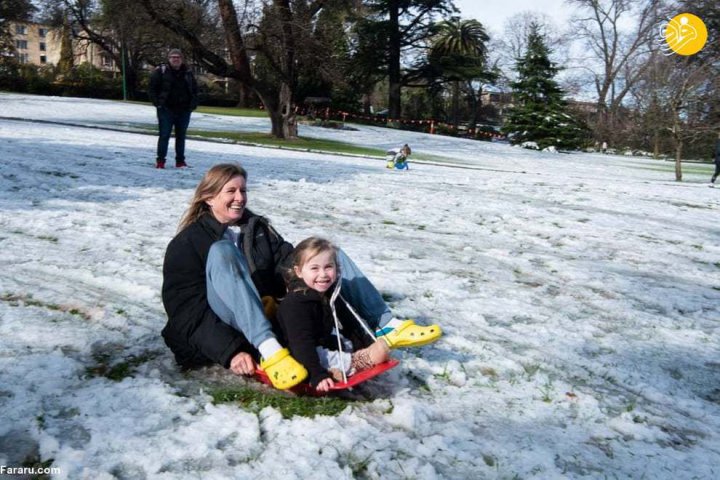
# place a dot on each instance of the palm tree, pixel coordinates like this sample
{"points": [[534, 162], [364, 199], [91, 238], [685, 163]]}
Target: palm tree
{"points": [[459, 51], [455, 36]]}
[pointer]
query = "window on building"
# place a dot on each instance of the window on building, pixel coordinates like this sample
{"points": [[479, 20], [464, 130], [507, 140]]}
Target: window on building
{"points": [[42, 32], [43, 47], [43, 59], [20, 29], [24, 58], [21, 44], [106, 60]]}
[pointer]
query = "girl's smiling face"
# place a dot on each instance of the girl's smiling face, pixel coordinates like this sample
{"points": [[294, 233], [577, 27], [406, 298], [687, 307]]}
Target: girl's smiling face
{"points": [[228, 205], [318, 272]]}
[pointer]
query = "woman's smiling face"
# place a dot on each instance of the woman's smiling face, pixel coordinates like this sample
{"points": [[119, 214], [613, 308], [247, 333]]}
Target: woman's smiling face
{"points": [[228, 205]]}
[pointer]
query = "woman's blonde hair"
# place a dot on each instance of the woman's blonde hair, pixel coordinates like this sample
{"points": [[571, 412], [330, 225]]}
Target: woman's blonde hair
{"points": [[306, 250], [210, 185]]}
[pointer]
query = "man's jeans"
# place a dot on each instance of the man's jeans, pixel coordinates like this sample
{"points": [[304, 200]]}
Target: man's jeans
{"points": [[234, 298], [167, 119]]}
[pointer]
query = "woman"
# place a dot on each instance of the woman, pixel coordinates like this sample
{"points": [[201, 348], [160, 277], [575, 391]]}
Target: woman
{"points": [[222, 262]]}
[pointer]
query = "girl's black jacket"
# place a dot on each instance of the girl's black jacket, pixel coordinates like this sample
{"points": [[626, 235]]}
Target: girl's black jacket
{"points": [[306, 321], [193, 332]]}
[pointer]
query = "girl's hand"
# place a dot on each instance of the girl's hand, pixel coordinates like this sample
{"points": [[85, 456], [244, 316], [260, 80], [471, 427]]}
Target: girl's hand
{"points": [[325, 385], [242, 364]]}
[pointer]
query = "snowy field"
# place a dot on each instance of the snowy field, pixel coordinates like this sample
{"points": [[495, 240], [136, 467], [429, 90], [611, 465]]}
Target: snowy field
{"points": [[579, 294]]}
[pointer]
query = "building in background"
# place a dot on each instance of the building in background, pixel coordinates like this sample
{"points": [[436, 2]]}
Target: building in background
{"points": [[35, 43], [39, 44]]}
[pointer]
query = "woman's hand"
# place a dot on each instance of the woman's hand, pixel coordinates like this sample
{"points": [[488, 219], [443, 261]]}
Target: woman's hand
{"points": [[242, 364], [325, 385]]}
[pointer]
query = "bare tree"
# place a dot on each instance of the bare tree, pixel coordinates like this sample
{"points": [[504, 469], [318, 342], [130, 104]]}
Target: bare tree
{"points": [[265, 57], [512, 44], [121, 30], [692, 86], [677, 96], [617, 53]]}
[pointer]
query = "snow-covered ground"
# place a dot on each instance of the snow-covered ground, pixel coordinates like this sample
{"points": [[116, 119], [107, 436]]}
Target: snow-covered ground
{"points": [[579, 295]]}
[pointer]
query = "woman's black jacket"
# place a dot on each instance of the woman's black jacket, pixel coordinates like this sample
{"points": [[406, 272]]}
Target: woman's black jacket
{"points": [[193, 332]]}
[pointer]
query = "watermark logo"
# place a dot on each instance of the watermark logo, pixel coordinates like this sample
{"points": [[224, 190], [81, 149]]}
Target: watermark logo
{"points": [[684, 34]]}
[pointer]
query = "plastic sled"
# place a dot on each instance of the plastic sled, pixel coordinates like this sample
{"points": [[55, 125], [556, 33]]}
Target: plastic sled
{"points": [[352, 381]]}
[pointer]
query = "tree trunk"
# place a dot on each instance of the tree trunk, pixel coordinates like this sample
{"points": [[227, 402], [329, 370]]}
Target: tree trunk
{"points": [[656, 144], [474, 104], [131, 82], [282, 114], [245, 96], [456, 104], [678, 158], [394, 80]]}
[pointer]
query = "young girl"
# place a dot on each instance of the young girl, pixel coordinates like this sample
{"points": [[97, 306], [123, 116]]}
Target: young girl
{"points": [[306, 319], [399, 159]]}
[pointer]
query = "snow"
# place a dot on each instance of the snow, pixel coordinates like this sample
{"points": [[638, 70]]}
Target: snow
{"points": [[579, 295]]}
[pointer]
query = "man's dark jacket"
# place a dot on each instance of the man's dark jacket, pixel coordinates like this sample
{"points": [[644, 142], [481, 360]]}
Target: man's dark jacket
{"points": [[176, 90], [193, 332]]}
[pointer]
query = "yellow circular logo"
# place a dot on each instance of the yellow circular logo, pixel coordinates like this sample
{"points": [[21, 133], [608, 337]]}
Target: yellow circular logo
{"points": [[685, 34]]}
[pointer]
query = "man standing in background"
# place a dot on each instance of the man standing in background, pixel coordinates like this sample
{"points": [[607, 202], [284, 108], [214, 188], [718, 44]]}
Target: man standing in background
{"points": [[173, 90]]}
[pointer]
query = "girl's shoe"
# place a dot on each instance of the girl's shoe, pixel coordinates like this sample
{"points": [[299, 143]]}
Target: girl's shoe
{"points": [[283, 370], [408, 334], [375, 354]]}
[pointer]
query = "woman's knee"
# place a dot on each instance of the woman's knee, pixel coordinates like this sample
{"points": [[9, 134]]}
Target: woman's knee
{"points": [[223, 250], [225, 256]]}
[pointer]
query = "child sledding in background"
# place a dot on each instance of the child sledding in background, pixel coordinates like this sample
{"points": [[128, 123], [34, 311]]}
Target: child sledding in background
{"points": [[306, 319], [399, 159]]}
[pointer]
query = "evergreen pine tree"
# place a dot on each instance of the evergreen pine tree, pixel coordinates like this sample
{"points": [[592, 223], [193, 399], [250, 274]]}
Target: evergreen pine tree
{"points": [[539, 113]]}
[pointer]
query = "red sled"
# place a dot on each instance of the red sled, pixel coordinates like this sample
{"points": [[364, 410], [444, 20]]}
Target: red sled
{"points": [[352, 381]]}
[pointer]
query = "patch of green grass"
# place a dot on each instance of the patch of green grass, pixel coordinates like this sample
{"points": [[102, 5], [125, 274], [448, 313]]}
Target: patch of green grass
{"points": [[530, 369], [304, 144], [670, 168], [119, 370], [59, 174], [233, 111], [546, 389], [35, 463], [288, 406], [358, 466], [490, 460], [230, 111], [15, 300]]}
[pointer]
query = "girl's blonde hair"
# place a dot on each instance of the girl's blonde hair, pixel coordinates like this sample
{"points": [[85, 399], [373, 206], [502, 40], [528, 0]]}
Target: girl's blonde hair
{"points": [[306, 250], [210, 185]]}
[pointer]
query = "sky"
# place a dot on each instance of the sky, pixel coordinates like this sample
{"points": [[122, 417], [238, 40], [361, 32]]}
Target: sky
{"points": [[493, 13], [579, 296]]}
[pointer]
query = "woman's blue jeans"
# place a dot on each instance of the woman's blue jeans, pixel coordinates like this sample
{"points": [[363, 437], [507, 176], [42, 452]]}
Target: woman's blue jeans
{"points": [[234, 298]]}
